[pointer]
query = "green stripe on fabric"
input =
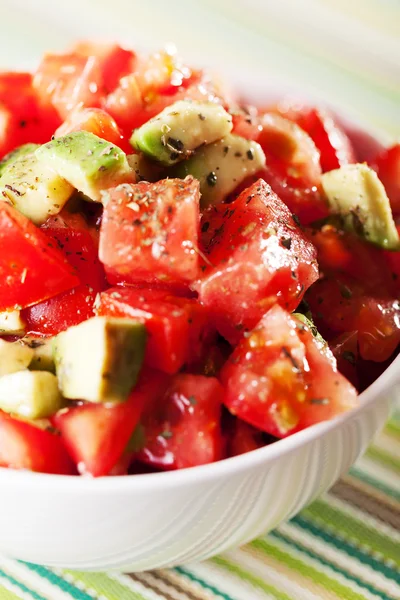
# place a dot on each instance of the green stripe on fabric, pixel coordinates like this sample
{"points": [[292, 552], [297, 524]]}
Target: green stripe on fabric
{"points": [[323, 561], [22, 586], [393, 427], [384, 457], [6, 594], [356, 472], [54, 579], [245, 575], [204, 584], [304, 569], [344, 547], [105, 585], [352, 529]]}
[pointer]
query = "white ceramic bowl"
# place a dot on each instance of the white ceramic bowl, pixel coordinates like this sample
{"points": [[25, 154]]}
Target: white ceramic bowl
{"points": [[141, 522]]}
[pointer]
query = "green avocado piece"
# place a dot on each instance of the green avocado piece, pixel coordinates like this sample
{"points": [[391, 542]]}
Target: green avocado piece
{"points": [[222, 166], [16, 154], [30, 394], [11, 323], [89, 163], [42, 353], [179, 129], [321, 342], [33, 188], [99, 360], [358, 197], [14, 357]]}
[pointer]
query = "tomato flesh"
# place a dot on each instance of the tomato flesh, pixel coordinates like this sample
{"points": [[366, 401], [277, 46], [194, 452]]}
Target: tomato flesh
{"points": [[115, 62], [25, 446], [74, 306], [96, 435], [182, 428], [387, 165], [149, 232], [256, 256], [32, 268], [178, 328], [278, 380]]}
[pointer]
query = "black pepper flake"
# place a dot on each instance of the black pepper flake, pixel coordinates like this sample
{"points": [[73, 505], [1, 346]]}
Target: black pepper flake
{"points": [[286, 242], [201, 117], [192, 400], [296, 219], [167, 435], [211, 179], [346, 292], [250, 154], [286, 352], [226, 150], [205, 226], [238, 154], [349, 356]]}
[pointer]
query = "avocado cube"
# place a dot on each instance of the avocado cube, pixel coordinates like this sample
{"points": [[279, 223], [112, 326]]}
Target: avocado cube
{"points": [[179, 129], [99, 360], [89, 163], [14, 357], [30, 394], [357, 196], [33, 188], [17, 153], [222, 166]]}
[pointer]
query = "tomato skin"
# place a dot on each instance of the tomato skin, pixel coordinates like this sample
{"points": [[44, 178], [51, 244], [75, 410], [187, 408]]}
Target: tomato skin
{"points": [[345, 350], [277, 378], [22, 117], [182, 429], [96, 435], [341, 304], [149, 232], [244, 438], [387, 165], [256, 256], [32, 268], [74, 306], [115, 62], [25, 446], [68, 81], [178, 328], [96, 121]]}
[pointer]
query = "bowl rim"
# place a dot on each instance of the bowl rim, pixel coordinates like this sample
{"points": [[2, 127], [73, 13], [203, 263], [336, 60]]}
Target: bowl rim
{"points": [[237, 464]]}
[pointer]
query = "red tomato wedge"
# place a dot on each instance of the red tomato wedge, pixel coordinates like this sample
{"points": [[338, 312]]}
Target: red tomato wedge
{"points": [[96, 121], [256, 256], [345, 350], [32, 268], [68, 81], [74, 306], [278, 380], [387, 165], [149, 232], [96, 435], [115, 62], [22, 117], [182, 428], [178, 328], [25, 446], [244, 438], [340, 304]]}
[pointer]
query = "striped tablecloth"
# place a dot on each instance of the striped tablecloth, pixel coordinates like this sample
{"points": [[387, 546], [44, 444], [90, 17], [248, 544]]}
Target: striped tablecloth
{"points": [[345, 546]]}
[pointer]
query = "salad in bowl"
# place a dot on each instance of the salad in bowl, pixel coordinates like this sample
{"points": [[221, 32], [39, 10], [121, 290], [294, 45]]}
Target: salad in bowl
{"points": [[185, 277]]}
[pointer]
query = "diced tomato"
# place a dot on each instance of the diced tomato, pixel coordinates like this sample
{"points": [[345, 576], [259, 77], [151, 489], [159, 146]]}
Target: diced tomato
{"points": [[340, 304], [182, 429], [278, 380], [347, 253], [345, 350], [178, 328], [74, 306], [256, 256], [149, 232], [331, 140], [244, 438], [68, 81], [246, 122], [96, 434], [22, 118], [387, 166], [32, 268], [97, 121], [115, 62], [25, 446]]}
